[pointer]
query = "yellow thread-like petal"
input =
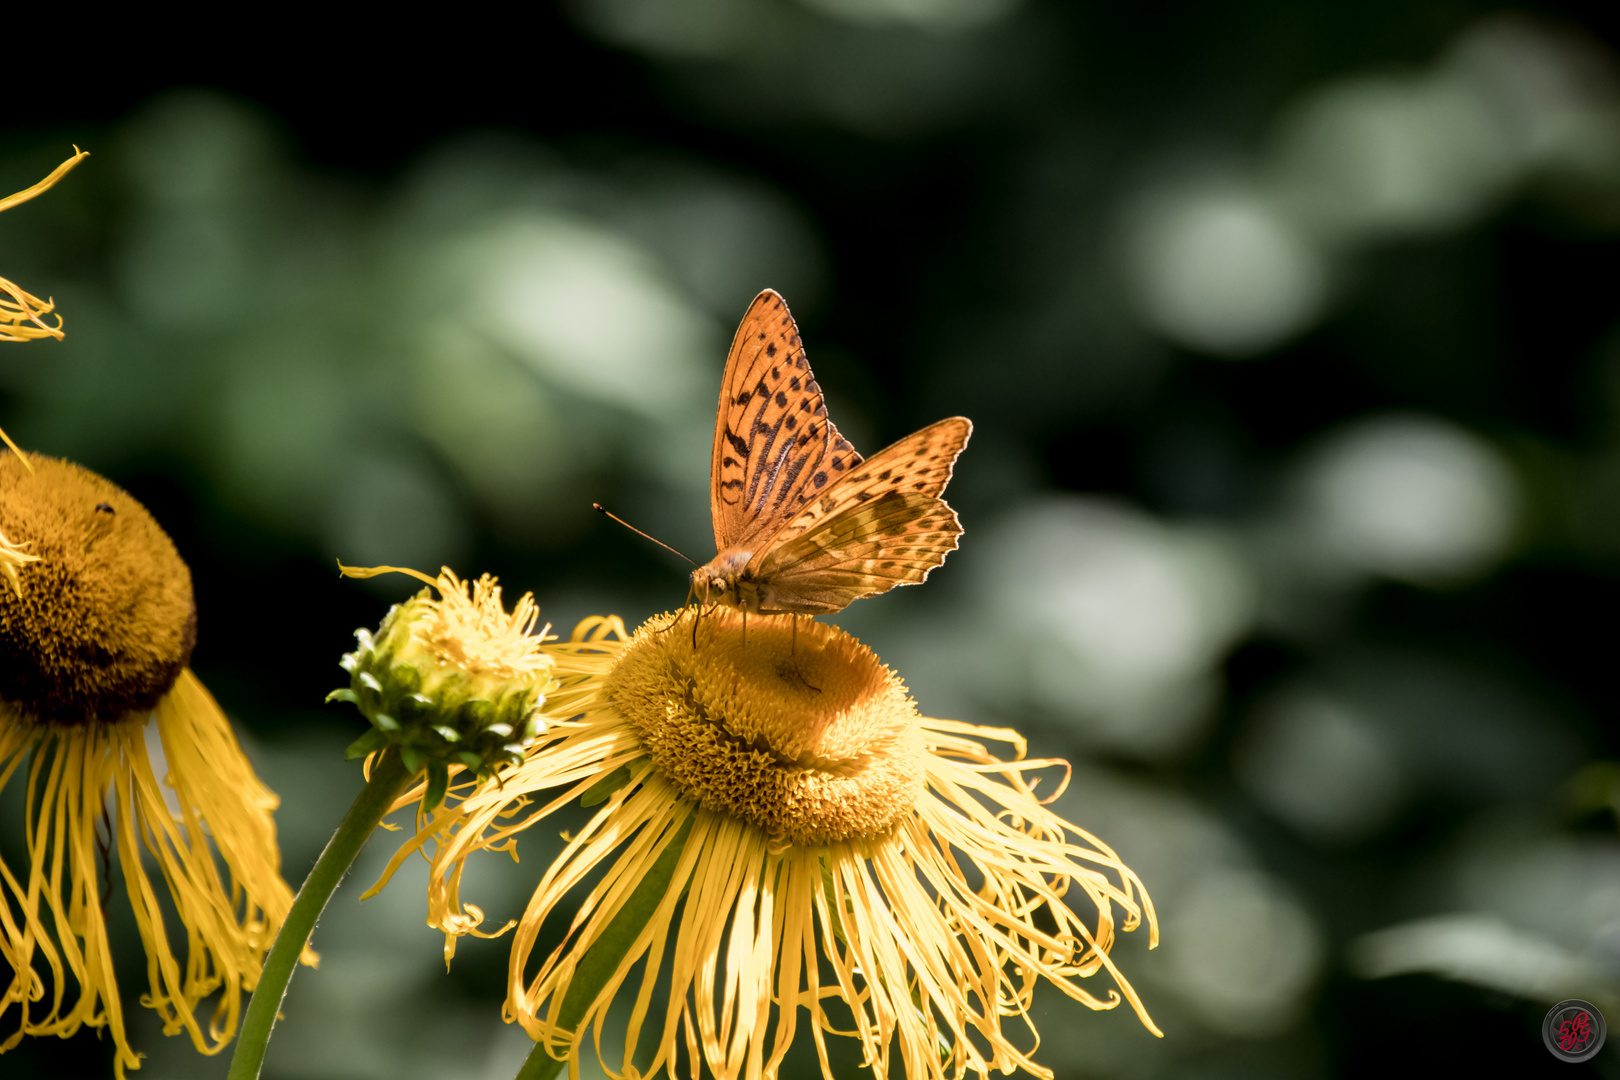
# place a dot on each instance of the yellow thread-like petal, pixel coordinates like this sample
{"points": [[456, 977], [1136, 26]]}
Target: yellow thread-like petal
{"points": [[98, 776], [46, 184]]}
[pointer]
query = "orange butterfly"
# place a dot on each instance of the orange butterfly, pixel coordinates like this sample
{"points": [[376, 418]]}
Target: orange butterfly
{"points": [[803, 524]]}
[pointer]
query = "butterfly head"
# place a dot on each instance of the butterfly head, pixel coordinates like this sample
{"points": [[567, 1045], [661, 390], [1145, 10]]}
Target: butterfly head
{"points": [[718, 580]]}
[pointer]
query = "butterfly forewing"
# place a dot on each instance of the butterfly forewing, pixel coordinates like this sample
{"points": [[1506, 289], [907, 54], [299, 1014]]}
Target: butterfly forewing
{"points": [[774, 447]]}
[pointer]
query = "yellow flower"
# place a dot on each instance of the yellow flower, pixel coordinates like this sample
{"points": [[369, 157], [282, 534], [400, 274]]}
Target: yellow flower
{"points": [[782, 839], [94, 640]]}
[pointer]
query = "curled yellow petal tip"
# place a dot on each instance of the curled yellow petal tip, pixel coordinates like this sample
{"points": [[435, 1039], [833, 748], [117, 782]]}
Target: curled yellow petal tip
{"points": [[378, 571], [46, 184], [20, 316]]}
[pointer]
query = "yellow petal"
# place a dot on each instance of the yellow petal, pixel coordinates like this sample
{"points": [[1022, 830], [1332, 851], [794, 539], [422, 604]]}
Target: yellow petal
{"points": [[46, 184]]}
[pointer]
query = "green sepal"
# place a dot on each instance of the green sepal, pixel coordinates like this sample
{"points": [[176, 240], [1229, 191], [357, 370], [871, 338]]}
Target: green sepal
{"points": [[438, 784], [470, 759], [343, 693], [413, 758], [369, 743], [474, 714], [406, 678], [385, 722], [448, 733]]}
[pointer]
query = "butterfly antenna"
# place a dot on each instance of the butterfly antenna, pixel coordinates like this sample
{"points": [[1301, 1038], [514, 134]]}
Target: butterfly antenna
{"points": [[604, 510]]}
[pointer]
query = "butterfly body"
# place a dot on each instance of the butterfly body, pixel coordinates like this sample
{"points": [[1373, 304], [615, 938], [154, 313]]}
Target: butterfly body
{"points": [[724, 580], [804, 524]]}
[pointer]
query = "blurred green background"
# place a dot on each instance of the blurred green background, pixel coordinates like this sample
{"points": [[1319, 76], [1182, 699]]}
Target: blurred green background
{"points": [[1291, 339]]}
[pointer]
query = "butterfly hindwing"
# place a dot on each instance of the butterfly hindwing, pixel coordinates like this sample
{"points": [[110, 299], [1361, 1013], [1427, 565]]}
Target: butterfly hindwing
{"points": [[894, 539], [774, 447], [919, 463], [882, 525]]}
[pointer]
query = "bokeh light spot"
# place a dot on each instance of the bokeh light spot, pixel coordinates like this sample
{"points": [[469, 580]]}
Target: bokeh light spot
{"points": [[1413, 498], [1242, 952], [1319, 765], [1220, 271]]}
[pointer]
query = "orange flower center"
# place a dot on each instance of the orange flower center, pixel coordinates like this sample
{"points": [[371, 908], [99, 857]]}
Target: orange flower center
{"points": [[797, 729]]}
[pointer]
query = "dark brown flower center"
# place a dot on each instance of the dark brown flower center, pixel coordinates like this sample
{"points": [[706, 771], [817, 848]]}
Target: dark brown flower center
{"points": [[105, 621]]}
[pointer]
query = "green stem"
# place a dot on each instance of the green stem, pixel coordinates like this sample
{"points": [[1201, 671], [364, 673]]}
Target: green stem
{"points": [[539, 1065], [597, 966], [388, 778]]}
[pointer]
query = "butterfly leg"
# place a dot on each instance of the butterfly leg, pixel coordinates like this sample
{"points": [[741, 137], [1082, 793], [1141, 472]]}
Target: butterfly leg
{"points": [[684, 609], [793, 652], [702, 607], [697, 615]]}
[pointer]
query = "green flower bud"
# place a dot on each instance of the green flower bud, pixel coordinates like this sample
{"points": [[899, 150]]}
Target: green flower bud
{"points": [[454, 682]]}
